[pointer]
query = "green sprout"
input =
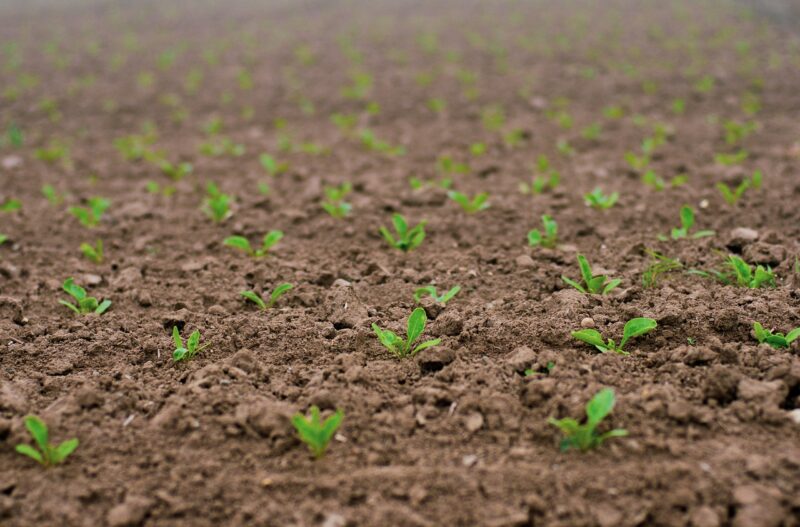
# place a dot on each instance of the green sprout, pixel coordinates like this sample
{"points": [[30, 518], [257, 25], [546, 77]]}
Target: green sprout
{"points": [[83, 304], [273, 297], [597, 200], [317, 433], [687, 222], [371, 142], [585, 437], [431, 290], [595, 285], [651, 179], [405, 348], [3, 238], [48, 454], [271, 166], [94, 253], [217, 204], [633, 328], [549, 178], [407, 239], [187, 351], [176, 171], [334, 203], [11, 205], [550, 237], [732, 196], [776, 340], [243, 244], [731, 159], [51, 195], [659, 266], [91, 215], [470, 205], [741, 274]]}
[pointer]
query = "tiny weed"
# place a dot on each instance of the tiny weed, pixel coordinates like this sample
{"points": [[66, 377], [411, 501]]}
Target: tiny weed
{"points": [[659, 266], [741, 274]]}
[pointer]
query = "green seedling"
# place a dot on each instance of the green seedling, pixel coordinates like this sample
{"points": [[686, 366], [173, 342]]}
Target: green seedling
{"points": [[243, 244], [736, 132], [548, 178], [315, 432], [597, 200], [732, 196], [660, 265], [94, 253], [271, 166], [741, 274], [3, 239], [687, 222], [470, 205], [431, 290], [91, 215], [273, 297], [585, 437], [731, 159], [447, 165], [220, 146], [776, 340], [334, 203], [405, 348], [549, 367], [371, 142], [48, 454], [176, 171], [54, 152], [407, 239], [10, 205], [637, 163], [187, 351], [633, 328], [217, 204], [651, 179], [51, 195], [595, 285], [83, 304], [134, 147], [549, 238]]}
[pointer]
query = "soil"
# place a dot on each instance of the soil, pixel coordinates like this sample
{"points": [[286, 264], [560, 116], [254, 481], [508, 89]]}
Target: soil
{"points": [[458, 435]]}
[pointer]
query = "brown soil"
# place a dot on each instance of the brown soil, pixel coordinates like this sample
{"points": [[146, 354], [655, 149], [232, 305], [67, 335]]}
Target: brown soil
{"points": [[457, 435]]}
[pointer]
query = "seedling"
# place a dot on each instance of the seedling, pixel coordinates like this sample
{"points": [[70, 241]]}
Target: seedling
{"points": [[371, 142], [732, 196], [315, 432], [273, 297], [405, 348], [549, 178], [741, 274], [243, 244], [585, 437], [187, 351], [731, 159], [470, 205], [50, 193], [633, 328], [3, 239], [596, 199], [11, 205], [776, 340], [217, 204], [407, 239], [549, 367], [650, 178], [175, 172], [687, 222], [93, 252], [659, 266], [83, 304], [90, 215], [334, 203], [271, 166], [595, 285], [550, 237], [47, 454], [431, 290]]}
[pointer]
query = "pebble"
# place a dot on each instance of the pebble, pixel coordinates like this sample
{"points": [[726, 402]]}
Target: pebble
{"points": [[587, 322]]}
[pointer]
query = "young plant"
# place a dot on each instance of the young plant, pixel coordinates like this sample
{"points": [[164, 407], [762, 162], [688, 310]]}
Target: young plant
{"points": [[595, 285], [94, 253], [776, 340], [407, 239], [315, 432], [732, 196], [48, 454], [91, 215], [731, 159], [597, 200], [633, 328], [405, 348], [659, 266], [243, 244], [585, 437], [334, 203], [550, 237], [11, 205], [687, 222], [50, 193], [217, 204], [741, 274], [431, 290], [273, 297], [3, 239], [83, 304], [185, 352], [651, 179], [470, 205]]}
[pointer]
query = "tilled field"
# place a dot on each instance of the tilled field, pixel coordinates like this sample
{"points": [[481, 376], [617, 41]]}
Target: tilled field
{"points": [[144, 104]]}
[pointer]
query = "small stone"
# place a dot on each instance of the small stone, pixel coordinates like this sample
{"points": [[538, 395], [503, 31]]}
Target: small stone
{"points": [[340, 282], [794, 415], [470, 460], [474, 422], [334, 520], [10, 162], [525, 261], [704, 517], [744, 234], [92, 279], [520, 359], [130, 512], [587, 322], [217, 309]]}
